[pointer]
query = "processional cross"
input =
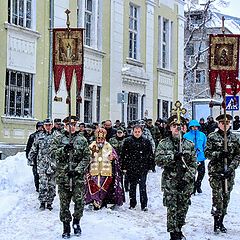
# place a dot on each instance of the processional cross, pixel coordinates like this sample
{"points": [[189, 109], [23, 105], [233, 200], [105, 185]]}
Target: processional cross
{"points": [[178, 110]]}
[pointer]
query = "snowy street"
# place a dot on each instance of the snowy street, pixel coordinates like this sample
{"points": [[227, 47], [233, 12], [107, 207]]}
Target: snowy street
{"points": [[21, 219]]}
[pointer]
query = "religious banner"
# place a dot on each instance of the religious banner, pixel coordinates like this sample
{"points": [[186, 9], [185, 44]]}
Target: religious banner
{"points": [[68, 57], [224, 63]]}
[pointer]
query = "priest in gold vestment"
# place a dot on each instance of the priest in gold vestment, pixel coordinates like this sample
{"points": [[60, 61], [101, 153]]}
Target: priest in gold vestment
{"points": [[104, 185]]}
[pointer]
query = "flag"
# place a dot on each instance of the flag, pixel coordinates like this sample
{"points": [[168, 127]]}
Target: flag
{"points": [[224, 63], [68, 57]]}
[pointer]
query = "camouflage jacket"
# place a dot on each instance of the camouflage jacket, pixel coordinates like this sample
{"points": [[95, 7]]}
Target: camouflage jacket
{"points": [[40, 151], [80, 155], [147, 134], [175, 173], [214, 149], [117, 144], [156, 134]]}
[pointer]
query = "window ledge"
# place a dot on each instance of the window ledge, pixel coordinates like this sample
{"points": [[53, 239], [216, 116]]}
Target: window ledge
{"points": [[134, 62], [18, 120], [166, 71], [22, 29]]}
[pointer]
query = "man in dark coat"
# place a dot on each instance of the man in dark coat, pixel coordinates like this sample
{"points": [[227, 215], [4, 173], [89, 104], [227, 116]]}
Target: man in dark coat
{"points": [[137, 160], [39, 128], [111, 132]]}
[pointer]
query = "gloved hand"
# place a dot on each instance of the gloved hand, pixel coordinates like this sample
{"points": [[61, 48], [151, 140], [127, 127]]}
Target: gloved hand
{"points": [[72, 173], [224, 154], [178, 156], [68, 147], [228, 173]]}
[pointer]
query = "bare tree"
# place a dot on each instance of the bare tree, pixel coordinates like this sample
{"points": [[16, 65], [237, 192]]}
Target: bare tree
{"points": [[198, 18]]}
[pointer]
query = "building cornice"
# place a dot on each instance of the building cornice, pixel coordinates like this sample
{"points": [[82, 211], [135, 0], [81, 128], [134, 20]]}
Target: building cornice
{"points": [[88, 49], [151, 2], [18, 120], [165, 71], [23, 30]]}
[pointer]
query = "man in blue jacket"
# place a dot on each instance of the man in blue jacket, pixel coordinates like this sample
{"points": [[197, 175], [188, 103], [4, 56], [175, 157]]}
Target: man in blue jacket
{"points": [[199, 139]]}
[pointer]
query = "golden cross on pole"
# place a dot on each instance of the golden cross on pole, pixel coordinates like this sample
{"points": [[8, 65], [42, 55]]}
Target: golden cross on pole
{"points": [[178, 110], [68, 21], [223, 27]]}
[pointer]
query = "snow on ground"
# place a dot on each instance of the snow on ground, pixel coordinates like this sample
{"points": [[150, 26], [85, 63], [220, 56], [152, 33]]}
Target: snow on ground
{"points": [[21, 219]]}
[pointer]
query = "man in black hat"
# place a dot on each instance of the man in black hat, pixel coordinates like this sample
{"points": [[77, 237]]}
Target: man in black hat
{"points": [[72, 157], [218, 172], [177, 158], [39, 128], [57, 127]]}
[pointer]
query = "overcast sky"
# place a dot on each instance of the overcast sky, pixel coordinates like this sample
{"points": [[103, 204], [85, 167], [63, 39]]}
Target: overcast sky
{"points": [[233, 9]]}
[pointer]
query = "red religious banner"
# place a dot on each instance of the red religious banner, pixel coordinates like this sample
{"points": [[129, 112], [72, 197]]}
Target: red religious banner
{"points": [[224, 63], [68, 57]]}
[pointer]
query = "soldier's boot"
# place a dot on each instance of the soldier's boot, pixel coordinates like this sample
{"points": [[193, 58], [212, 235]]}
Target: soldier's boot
{"points": [[49, 206], [66, 230], [174, 236], [181, 236], [216, 226], [42, 206], [76, 227], [198, 186], [221, 226]]}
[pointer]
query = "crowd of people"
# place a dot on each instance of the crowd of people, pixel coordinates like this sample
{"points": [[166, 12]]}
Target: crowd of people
{"points": [[97, 164]]}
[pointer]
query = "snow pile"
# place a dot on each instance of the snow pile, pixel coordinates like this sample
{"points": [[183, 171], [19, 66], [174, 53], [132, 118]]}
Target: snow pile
{"points": [[19, 210]]}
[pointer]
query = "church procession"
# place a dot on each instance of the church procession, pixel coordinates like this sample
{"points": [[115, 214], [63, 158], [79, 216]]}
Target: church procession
{"points": [[101, 95]]}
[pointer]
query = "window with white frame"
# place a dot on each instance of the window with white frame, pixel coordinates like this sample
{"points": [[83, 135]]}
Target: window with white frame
{"points": [[133, 31], [165, 109], [165, 43], [88, 21], [20, 12], [88, 103], [18, 94], [132, 107], [200, 76]]}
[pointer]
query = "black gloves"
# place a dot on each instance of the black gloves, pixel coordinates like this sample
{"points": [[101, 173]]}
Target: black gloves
{"points": [[228, 173], [224, 154], [68, 147], [72, 173], [178, 156]]}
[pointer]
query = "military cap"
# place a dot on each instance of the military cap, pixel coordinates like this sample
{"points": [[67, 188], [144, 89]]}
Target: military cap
{"points": [[74, 119], [57, 120], [220, 118], [120, 129], [47, 121], [174, 120], [149, 120], [39, 124]]}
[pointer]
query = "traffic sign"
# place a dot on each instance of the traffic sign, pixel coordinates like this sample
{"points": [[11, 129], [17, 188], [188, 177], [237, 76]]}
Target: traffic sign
{"points": [[232, 105]]}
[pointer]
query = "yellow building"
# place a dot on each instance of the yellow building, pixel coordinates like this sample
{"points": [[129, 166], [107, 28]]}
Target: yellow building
{"points": [[133, 61], [24, 67]]}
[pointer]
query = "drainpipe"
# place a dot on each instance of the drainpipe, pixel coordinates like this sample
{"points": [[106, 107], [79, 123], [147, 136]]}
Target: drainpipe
{"points": [[50, 76]]}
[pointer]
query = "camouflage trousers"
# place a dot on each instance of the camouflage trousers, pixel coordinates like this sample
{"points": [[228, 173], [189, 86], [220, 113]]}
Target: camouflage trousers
{"points": [[76, 195], [177, 204], [47, 187], [220, 199]]}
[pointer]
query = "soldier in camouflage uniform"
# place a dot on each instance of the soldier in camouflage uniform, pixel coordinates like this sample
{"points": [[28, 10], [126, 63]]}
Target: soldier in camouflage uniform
{"points": [[70, 174], [117, 141], [156, 134], [215, 153], [179, 169], [45, 165]]}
